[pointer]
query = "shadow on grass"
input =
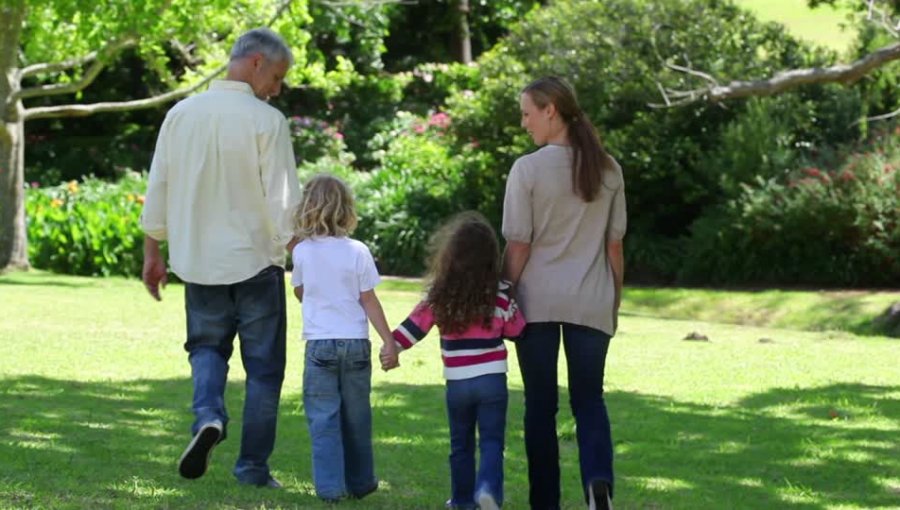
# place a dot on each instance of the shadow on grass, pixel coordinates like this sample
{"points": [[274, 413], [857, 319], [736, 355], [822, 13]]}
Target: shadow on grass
{"points": [[45, 280], [849, 311], [68, 444]]}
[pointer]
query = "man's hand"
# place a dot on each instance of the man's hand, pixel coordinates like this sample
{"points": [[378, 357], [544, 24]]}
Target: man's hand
{"points": [[154, 273]]}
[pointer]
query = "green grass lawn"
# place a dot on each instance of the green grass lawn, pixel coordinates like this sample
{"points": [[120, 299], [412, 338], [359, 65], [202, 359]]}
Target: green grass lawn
{"points": [[95, 410], [821, 25]]}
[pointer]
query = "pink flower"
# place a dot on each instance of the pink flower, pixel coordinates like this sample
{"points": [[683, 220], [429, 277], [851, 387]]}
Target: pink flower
{"points": [[419, 128], [439, 120], [339, 136]]}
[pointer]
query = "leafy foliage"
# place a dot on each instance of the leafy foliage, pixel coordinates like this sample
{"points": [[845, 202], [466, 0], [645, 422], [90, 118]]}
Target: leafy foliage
{"points": [[58, 30], [488, 20], [89, 228], [815, 227], [314, 139]]}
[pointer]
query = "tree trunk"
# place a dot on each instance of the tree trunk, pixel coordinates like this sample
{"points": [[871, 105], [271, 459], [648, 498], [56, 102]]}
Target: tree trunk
{"points": [[13, 240], [465, 37]]}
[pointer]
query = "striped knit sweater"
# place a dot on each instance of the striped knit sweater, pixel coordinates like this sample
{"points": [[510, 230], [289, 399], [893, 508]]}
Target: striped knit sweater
{"points": [[476, 351]]}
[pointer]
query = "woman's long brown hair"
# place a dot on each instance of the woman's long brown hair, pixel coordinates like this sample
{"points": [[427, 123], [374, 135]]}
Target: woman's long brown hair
{"points": [[589, 158], [464, 273]]}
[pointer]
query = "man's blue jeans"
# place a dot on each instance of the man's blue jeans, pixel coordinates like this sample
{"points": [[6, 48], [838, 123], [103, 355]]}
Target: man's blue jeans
{"points": [[254, 309], [538, 352], [337, 381], [480, 401]]}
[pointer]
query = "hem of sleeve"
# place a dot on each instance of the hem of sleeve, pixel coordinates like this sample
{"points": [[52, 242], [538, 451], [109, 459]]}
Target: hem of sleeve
{"points": [[517, 239], [159, 235]]}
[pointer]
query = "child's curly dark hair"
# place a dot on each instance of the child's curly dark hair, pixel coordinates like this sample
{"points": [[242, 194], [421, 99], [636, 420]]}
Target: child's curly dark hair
{"points": [[464, 273]]}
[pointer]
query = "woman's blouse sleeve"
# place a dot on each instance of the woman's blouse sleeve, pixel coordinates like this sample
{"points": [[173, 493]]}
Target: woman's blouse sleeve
{"points": [[517, 204], [618, 219]]}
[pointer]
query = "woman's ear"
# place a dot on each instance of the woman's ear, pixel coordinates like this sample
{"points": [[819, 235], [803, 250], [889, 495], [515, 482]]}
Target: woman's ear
{"points": [[550, 111]]}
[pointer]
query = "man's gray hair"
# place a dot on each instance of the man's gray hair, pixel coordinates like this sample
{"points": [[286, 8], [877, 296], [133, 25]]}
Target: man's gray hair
{"points": [[262, 40]]}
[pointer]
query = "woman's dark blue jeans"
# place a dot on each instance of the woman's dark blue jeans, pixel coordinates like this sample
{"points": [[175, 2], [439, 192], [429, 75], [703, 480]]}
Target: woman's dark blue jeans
{"points": [[253, 309], [538, 352]]}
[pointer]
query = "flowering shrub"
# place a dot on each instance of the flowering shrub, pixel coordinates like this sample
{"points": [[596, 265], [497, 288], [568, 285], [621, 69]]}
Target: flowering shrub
{"points": [[87, 228], [314, 139], [418, 184], [817, 226]]}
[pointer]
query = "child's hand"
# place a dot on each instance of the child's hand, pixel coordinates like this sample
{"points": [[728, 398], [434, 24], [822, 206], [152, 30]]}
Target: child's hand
{"points": [[389, 357]]}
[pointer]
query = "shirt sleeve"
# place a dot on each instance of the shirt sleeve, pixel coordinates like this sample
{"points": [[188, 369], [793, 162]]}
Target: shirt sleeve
{"points": [[415, 327], [513, 320], [517, 217], [366, 270], [153, 215], [618, 219], [297, 272], [278, 172]]}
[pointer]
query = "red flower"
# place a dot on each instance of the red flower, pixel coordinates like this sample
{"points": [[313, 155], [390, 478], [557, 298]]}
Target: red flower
{"points": [[813, 172], [847, 176]]}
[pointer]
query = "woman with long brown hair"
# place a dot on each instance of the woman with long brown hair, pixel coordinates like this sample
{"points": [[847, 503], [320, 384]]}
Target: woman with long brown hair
{"points": [[564, 220]]}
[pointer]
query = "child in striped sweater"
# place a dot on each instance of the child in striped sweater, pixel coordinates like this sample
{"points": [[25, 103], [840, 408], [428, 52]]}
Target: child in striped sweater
{"points": [[473, 311]]}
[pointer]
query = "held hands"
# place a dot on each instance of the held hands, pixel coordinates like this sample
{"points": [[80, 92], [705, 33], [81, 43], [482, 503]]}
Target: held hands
{"points": [[389, 356]]}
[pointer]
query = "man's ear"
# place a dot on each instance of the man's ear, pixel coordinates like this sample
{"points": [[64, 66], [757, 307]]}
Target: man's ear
{"points": [[258, 60]]}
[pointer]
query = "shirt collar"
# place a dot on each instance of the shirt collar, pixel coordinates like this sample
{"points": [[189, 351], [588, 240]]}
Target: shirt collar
{"points": [[238, 86]]}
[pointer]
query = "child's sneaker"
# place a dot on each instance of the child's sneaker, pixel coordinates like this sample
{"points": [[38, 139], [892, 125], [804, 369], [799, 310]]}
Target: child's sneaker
{"points": [[195, 459], [598, 496], [486, 501], [366, 492], [450, 506]]}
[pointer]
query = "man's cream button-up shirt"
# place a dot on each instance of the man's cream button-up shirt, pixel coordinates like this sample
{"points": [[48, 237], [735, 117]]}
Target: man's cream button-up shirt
{"points": [[223, 186]]}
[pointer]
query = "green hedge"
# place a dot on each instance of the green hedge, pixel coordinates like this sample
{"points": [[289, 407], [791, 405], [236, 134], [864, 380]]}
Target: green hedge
{"points": [[87, 228], [816, 226]]}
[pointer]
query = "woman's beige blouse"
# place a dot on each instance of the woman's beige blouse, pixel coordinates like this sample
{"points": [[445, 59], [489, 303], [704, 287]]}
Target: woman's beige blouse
{"points": [[568, 277]]}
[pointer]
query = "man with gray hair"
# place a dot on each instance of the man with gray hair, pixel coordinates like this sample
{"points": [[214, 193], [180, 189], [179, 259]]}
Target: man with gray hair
{"points": [[221, 192]]}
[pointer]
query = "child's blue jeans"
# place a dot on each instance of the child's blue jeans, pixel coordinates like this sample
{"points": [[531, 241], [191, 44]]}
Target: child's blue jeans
{"points": [[482, 402], [337, 381]]}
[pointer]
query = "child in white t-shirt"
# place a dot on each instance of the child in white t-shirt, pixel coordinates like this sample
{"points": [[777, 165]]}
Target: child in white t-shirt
{"points": [[335, 277]]}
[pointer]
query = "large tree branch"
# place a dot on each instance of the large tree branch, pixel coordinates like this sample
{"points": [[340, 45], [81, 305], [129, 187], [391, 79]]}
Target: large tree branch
{"points": [[99, 59], [83, 110], [55, 67], [842, 73]]}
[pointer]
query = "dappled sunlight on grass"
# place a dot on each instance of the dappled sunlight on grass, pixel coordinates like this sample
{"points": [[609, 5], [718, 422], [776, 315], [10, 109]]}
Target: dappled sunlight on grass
{"points": [[140, 487], [95, 418], [851, 311], [660, 484]]}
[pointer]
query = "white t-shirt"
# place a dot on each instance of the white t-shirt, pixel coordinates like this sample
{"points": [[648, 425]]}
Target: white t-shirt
{"points": [[333, 272]]}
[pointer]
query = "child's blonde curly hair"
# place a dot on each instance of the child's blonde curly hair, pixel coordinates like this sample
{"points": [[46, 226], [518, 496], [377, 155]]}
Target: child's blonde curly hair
{"points": [[326, 209]]}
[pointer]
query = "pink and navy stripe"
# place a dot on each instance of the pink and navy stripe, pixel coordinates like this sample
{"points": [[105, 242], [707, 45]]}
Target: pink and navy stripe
{"points": [[478, 350]]}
